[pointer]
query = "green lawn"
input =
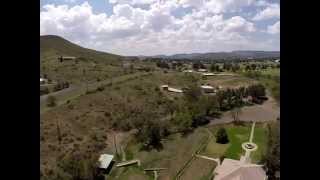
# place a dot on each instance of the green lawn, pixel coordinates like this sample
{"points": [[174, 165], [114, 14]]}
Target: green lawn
{"points": [[238, 135]]}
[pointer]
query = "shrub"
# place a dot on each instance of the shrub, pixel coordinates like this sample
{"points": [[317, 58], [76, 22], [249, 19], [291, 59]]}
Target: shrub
{"points": [[51, 101], [100, 88], [43, 91], [222, 136]]}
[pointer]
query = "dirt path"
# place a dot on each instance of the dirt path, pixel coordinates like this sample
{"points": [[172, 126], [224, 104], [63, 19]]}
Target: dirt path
{"points": [[268, 111]]}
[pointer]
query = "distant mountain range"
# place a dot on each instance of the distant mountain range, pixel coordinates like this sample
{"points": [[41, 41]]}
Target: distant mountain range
{"points": [[223, 55], [51, 45]]}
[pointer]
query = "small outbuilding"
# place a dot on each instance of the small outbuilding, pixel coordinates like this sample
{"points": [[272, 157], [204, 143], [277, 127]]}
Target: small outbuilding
{"points": [[202, 70], [165, 87], [170, 89], [208, 74], [66, 58], [106, 162], [43, 81], [207, 89]]}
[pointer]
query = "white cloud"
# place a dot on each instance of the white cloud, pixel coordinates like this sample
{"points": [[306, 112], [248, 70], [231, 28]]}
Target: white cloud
{"points": [[130, 30], [274, 29], [70, 1], [217, 6], [132, 2], [270, 12]]}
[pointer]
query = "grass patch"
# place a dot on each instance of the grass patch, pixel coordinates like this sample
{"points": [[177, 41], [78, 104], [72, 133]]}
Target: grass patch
{"points": [[238, 135]]}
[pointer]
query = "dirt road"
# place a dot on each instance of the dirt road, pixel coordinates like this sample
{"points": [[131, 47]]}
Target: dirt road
{"points": [[268, 111]]}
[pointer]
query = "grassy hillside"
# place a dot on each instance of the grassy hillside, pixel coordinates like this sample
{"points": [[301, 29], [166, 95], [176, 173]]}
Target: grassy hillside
{"points": [[91, 65], [56, 46]]}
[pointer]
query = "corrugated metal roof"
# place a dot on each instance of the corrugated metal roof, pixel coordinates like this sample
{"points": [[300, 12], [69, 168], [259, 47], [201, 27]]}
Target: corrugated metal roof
{"points": [[206, 87], [105, 160]]}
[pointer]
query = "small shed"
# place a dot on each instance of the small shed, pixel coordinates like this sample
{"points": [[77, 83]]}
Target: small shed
{"points": [[202, 70], [188, 71], [43, 80], [106, 162], [208, 74], [66, 58], [165, 87], [207, 89]]}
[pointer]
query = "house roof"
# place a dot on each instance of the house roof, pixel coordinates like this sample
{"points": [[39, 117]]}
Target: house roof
{"points": [[105, 160], [236, 170]]}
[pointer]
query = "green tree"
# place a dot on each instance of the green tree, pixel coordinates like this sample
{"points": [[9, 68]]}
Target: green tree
{"points": [[257, 90], [272, 158], [192, 93], [222, 136], [183, 120], [214, 68]]}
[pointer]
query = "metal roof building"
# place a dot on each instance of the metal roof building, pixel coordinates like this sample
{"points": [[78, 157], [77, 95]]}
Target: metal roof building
{"points": [[105, 160]]}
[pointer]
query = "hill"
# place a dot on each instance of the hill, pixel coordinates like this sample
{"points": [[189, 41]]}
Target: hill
{"points": [[51, 45], [95, 65]]}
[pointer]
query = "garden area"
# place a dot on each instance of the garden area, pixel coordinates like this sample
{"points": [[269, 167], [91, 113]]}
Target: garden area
{"points": [[177, 152]]}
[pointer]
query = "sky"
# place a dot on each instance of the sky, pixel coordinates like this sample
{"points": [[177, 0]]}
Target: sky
{"points": [[154, 27]]}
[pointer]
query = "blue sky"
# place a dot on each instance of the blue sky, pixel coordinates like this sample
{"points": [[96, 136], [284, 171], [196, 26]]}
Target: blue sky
{"points": [[150, 27]]}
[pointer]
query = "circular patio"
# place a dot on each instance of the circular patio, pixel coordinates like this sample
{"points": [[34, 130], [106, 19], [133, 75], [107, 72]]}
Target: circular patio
{"points": [[249, 146]]}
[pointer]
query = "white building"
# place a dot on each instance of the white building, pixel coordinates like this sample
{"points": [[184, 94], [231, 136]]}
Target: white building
{"points": [[167, 88], [207, 89], [208, 74], [43, 81], [188, 71], [202, 70], [105, 161]]}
